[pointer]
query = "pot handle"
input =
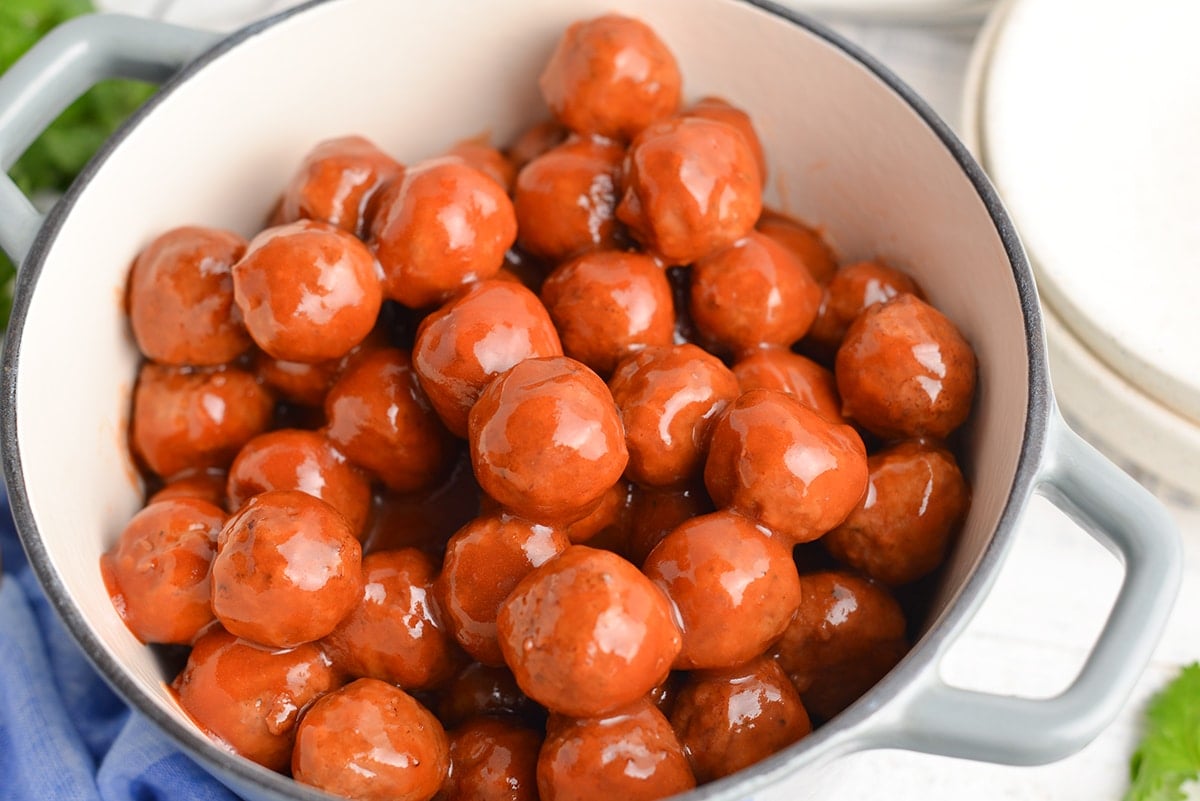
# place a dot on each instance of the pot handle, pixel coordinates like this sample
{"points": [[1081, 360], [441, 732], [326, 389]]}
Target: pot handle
{"points": [[58, 69], [1121, 515]]}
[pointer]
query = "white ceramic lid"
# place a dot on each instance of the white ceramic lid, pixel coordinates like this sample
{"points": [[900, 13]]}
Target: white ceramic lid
{"points": [[1090, 126]]}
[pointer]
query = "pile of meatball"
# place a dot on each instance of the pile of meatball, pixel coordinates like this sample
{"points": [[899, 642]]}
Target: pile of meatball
{"points": [[523, 474]]}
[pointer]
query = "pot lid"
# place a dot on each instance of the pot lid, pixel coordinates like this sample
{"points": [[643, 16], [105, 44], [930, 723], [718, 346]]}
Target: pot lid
{"points": [[1088, 120]]}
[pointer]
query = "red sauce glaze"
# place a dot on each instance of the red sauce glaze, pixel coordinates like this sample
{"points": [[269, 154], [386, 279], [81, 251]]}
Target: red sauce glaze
{"points": [[587, 633], [534, 141], [379, 417], [287, 570], [904, 370], [631, 753], [669, 398], [610, 515], [504, 549], [297, 382], [426, 519], [853, 289], [847, 634], [734, 586], [336, 181], [785, 466], [477, 153], [181, 298], [205, 484], [249, 697], [715, 108], [492, 760], [608, 304], [692, 187], [804, 243], [374, 742], [566, 198], [157, 573], [655, 513], [482, 690], [483, 332], [546, 440], [445, 224], [782, 370], [611, 76], [916, 499], [187, 419], [308, 291], [290, 459], [394, 632]]}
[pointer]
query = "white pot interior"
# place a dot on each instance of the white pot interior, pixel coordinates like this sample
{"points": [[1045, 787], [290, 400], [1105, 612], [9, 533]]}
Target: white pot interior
{"points": [[845, 152]]}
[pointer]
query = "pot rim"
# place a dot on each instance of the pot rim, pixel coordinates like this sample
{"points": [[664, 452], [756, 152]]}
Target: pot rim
{"points": [[843, 734]]}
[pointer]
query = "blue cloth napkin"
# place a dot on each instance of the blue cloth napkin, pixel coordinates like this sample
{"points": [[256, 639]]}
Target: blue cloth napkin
{"points": [[64, 735]]}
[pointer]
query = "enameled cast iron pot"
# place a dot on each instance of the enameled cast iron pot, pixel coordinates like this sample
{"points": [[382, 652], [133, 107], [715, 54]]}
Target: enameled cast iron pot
{"points": [[849, 147]]}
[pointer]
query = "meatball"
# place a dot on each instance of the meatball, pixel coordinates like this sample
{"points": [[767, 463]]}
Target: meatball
{"points": [[181, 298], [492, 760], [206, 484], [804, 243], [691, 188], [374, 742], [444, 225], [587, 633], [669, 398], [393, 633], [611, 76], [462, 346], [566, 199], [729, 719], [482, 690], [288, 568], [734, 587], [715, 108], [752, 293], [380, 418], [426, 519], [488, 160], [194, 419], [536, 140], [308, 291], [503, 549], [610, 515], [336, 181], [251, 697], [846, 636], [157, 574], [296, 382], [290, 459], [785, 466], [850, 291], [655, 513], [546, 440], [916, 498], [608, 304], [802, 378]]}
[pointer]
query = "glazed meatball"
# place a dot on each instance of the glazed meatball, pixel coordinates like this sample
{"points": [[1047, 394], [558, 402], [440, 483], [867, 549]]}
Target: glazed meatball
{"points": [[669, 399], [393, 633], [546, 440], [379, 417], [206, 484], [488, 160], [193, 419], [336, 181], [482, 690], [691, 188], [734, 587], [297, 382], [181, 298], [536, 140], [729, 719], [803, 242], [566, 199], [802, 378], [785, 466], [904, 370], [374, 742], [611, 76], [631, 754], [714, 108], [290, 459], [307, 290], [426, 519], [850, 291], [492, 760], [444, 225], [462, 346], [288, 568], [610, 514], [655, 513], [587, 633], [504, 549], [752, 293], [846, 636], [608, 304], [157, 574], [251, 697], [916, 498]]}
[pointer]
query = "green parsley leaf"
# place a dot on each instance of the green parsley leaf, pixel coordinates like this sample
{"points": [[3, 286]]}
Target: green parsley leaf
{"points": [[1169, 754]]}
